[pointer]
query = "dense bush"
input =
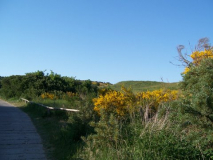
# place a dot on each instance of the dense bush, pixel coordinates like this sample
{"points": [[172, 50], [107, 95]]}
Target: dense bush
{"points": [[33, 84], [197, 86], [12, 86], [195, 109]]}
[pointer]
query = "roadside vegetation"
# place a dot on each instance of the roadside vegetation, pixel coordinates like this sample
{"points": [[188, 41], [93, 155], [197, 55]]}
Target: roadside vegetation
{"points": [[160, 123]]}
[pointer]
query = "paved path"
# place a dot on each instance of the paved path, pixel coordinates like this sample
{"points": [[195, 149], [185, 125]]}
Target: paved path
{"points": [[19, 139]]}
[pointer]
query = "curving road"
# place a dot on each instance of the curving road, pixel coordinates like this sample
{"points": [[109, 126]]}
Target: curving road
{"points": [[19, 139]]}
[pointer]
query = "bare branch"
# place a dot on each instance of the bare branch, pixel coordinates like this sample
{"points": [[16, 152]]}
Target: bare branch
{"points": [[182, 58], [203, 43]]}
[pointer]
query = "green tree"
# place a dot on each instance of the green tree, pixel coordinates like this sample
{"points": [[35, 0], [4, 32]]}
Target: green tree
{"points": [[12, 86], [34, 84]]}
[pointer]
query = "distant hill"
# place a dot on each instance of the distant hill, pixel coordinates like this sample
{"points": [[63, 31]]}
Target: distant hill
{"points": [[140, 86]]}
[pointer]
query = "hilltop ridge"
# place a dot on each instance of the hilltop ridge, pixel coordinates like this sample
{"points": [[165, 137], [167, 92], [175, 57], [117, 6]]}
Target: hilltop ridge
{"points": [[140, 86]]}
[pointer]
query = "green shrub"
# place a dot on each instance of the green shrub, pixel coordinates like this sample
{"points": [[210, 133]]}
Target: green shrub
{"points": [[195, 109]]}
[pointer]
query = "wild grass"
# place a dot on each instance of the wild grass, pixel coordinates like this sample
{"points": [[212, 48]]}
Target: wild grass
{"points": [[59, 103], [157, 138]]}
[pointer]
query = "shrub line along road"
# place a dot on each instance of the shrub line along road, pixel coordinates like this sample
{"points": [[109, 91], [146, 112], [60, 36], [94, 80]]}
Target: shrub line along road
{"points": [[19, 139]]}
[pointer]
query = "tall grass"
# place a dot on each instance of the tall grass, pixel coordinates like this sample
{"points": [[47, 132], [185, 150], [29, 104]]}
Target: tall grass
{"points": [[59, 103], [155, 139]]}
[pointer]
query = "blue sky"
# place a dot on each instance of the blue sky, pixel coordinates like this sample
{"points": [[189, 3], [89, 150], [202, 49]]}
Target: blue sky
{"points": [[102, 40]]}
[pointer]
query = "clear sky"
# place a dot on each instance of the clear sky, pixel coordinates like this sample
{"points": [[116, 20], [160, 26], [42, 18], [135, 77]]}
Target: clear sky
{"points": [[102, 40]]}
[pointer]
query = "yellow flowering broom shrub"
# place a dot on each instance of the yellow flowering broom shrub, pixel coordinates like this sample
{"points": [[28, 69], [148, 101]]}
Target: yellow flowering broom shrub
{"points": [[112, 101], [156, 97], [197, 56], [47, 95], [103, 91], [124, 101], [58, 95]]}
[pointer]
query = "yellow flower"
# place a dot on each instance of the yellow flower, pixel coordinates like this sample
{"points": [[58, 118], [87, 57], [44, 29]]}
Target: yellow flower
{"points": [[186, 70], [197, 56], [124, 102]]}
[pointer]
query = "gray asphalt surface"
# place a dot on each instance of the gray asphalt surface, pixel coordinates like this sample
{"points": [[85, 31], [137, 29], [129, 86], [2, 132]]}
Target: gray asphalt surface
{"points": [[19, 139]]}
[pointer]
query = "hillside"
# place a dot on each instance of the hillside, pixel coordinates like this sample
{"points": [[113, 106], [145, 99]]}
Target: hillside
{"points": [[139, 86]]}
